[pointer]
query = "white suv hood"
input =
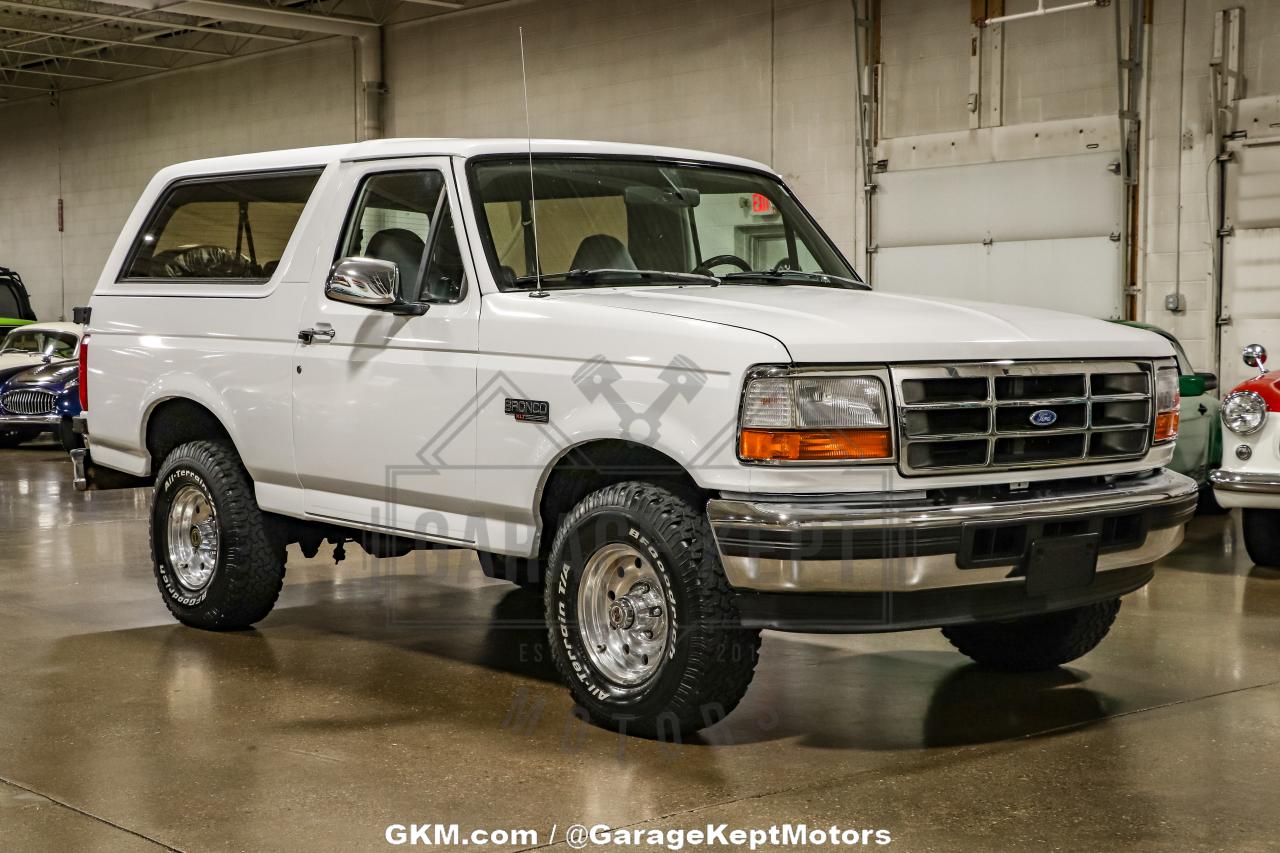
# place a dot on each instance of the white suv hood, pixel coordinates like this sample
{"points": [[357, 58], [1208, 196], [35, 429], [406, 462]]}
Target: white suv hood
{"points": [[823, 324]]}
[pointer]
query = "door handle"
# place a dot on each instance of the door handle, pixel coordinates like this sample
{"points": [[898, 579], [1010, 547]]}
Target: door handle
{"points": [[309, 336]]}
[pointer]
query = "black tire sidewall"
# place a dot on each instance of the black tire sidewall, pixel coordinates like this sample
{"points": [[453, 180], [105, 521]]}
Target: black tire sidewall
{"points": [[604, 698], [1262, 536], [173, 476]]}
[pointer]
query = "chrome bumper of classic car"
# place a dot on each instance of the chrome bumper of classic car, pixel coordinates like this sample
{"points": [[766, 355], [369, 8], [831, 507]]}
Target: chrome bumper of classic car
{"points": [[1245, 483], [9, 421], [963, 539]]}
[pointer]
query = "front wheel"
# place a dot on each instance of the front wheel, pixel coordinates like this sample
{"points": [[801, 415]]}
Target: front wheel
{"points": [[1036, 642], [216, 560], [643, 625], [1262, 536]]}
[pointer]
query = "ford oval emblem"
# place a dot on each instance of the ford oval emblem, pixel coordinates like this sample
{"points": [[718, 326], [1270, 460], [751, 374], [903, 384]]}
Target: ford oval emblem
{"points": [[1044, 417]]}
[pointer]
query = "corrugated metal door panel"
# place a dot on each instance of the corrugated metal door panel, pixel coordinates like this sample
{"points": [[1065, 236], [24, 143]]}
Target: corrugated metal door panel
{"points": [[1079, 275]]}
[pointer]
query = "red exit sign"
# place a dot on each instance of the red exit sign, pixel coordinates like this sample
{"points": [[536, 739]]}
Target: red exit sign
{"points": [[760, 204]]}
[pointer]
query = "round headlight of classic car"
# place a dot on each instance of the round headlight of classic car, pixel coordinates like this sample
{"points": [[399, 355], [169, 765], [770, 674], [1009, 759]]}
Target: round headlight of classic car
{"points": [[1244, 412]]}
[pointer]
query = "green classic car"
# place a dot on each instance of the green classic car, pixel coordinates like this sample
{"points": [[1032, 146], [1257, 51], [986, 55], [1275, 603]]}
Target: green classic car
{"points": [[1199, 447], [15, 306]]}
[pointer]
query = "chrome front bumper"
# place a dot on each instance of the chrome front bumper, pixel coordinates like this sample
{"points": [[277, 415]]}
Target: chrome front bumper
{"points": [[30, 421], [878, 545], [1239, 481]]}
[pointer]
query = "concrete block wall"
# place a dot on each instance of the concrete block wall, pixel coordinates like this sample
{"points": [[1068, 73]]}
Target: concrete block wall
{"points": [[766, 80]]}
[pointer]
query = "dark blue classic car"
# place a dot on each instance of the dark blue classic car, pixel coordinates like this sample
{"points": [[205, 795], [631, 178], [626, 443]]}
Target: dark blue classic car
{"points": [[41, 399]]}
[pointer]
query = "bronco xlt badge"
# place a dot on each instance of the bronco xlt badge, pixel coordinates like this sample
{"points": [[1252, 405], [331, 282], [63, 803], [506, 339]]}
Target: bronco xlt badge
{"points": [[529, 411]]}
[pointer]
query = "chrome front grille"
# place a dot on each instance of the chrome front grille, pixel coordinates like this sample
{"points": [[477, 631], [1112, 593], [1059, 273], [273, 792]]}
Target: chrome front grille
{"points": [[1001, 415], [29, 402]]}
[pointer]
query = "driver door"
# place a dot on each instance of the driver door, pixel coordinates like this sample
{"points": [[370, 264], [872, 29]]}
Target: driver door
{"points": [[383, 404]]}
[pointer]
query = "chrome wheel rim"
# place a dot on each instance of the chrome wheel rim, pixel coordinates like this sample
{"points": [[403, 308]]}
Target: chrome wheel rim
{"points": [[623, 615], [193, 537]]}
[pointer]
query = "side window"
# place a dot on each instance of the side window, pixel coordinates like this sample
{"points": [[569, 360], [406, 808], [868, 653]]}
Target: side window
{"points": [[227, 228], [404, 217]]}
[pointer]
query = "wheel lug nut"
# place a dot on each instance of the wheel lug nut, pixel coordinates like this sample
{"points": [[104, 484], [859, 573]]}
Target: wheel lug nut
{"points": [[600, 647], [655, 611], [640, 589]]}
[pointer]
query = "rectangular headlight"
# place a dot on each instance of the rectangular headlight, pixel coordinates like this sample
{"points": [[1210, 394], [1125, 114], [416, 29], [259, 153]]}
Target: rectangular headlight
{"points": [[853, 402], [815, 418]]}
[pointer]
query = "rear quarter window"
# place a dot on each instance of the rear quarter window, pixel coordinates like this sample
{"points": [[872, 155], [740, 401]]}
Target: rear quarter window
{"points": [[225, 228]]}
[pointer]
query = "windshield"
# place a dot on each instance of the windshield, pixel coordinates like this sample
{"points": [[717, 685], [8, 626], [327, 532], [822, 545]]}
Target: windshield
{"points": [[56, 344], [606, 222]]}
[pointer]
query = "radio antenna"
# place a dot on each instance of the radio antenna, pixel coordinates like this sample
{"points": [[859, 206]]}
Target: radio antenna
{"points": [[538, 292]]}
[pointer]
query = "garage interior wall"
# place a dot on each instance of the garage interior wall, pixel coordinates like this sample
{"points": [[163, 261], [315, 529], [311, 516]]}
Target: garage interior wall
{"points": [[767, 79]]}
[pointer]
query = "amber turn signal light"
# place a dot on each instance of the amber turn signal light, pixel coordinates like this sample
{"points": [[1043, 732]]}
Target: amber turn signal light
{"points": [[1166, 426], [763, 445]]}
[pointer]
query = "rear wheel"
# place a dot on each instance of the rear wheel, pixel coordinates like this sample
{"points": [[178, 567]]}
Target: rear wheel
{"points": [[217, 563], [643, 624], [1036, 642], [1262, 536]]}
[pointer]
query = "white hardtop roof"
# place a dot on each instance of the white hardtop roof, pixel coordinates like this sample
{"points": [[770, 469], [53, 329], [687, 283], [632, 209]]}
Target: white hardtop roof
{"points": [[50, 326], [376, 149]]}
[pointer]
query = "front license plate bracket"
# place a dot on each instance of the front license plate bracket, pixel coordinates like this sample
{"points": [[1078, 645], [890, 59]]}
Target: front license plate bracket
{"points": [[1060, 563]]}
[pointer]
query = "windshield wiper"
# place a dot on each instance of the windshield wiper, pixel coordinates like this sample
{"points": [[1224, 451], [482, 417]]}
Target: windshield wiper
{"points": [[592, 276], [799, 277]]}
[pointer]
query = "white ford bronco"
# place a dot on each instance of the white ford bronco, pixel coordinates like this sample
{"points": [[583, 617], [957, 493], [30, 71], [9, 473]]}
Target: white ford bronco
{"points": [[639, 377]]}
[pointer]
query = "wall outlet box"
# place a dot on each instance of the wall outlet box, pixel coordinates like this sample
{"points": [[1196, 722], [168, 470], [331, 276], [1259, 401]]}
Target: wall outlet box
{"points": [[1175, 302]]}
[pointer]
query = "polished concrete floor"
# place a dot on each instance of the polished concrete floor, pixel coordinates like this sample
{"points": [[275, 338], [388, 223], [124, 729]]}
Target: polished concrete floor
{"points": [[414, 691]]}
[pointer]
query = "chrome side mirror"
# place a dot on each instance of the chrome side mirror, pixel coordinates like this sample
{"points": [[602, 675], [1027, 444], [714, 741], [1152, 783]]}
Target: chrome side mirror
{"points": [[370, 282], [1255, 355]]}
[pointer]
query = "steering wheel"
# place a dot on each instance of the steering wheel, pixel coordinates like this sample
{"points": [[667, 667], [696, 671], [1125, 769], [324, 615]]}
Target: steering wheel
{"points": [[705, 267], [204, 261]]}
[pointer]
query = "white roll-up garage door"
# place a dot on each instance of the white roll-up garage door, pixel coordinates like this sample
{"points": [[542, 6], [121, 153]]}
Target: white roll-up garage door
{"points": [[1251, 254], [1042, 232]]}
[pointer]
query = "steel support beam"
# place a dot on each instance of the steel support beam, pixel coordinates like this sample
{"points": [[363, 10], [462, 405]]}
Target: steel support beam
{"points": [[290, 19], [96, 40], [73, 58], [169, 25], [47, 73]]}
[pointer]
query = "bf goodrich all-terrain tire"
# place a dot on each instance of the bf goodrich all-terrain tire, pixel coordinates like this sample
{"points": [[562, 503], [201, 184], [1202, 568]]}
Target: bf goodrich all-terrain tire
{"points": [[216, 560], [1262, 536], [1037, 642], [643, 625]]}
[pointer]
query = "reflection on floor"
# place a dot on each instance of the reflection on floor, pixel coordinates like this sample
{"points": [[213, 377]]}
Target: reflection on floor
{"points": [[414, 691]]}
